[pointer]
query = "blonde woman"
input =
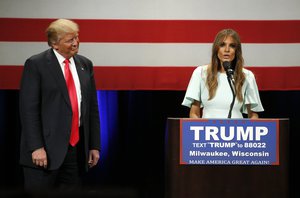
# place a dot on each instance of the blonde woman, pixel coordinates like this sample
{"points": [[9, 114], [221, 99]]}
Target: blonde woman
{"points": [[209, 94]]}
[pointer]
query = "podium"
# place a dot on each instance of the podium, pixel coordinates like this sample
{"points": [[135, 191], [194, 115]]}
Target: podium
{"points": [[222, 181]]}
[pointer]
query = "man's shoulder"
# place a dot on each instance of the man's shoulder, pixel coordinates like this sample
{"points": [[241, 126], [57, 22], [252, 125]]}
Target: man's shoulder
{"points": [[41, 55], [83, 59]]}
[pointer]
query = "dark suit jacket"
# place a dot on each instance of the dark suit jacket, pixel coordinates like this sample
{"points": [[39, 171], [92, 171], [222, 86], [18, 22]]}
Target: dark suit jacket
{"points": [[45, 109]]}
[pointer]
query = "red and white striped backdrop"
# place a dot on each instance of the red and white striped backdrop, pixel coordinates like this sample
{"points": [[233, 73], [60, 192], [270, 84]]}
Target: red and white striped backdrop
{"points": [[155, 45]]}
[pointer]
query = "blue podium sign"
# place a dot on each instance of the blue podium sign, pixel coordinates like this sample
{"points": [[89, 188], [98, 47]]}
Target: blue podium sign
{"points": [[229, 142]]}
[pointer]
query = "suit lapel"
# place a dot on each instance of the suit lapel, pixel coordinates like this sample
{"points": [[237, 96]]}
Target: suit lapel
{"points": [[56, 71]]}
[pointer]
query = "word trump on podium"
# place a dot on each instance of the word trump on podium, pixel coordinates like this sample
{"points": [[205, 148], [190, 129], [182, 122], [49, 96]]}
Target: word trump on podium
{"points": [[229, 142]]}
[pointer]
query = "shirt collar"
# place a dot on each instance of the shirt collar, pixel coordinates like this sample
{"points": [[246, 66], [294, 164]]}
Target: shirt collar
{"points": [[61, 59]]}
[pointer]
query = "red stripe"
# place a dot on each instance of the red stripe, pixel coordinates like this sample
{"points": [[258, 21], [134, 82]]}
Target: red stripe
{"points": [[163, 78], [162, 31], [10, 77]]}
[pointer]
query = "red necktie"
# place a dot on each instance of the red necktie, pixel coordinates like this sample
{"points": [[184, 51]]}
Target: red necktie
{"points": [[73, 98]]}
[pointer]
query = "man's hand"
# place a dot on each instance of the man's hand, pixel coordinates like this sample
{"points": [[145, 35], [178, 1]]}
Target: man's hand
{"points": [[39, 157], [94, 156]]}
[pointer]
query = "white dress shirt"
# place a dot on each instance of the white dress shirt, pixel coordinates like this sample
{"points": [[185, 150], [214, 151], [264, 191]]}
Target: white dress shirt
{"points": [[73, 70]]}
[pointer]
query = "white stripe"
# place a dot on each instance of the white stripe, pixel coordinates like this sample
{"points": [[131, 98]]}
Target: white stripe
{"points": [[145, 54], [152, 9]]}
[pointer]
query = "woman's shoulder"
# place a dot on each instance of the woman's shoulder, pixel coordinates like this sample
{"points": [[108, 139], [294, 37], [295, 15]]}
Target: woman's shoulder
{"points": [[200, 71], [248, 73], [249, 76], [201, 68]]}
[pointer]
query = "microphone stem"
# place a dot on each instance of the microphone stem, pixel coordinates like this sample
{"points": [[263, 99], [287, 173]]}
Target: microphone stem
{"points": [[232, 87]]}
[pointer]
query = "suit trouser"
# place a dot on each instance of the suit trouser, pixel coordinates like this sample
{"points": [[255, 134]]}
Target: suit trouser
{"points": [[67, 177]]}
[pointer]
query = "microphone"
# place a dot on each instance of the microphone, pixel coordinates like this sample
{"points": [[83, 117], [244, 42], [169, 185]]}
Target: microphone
{"points": [[229, 71]]}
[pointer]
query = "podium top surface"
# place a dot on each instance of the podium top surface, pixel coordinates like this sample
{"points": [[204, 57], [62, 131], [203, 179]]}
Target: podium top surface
{"points": [[259, 119]]}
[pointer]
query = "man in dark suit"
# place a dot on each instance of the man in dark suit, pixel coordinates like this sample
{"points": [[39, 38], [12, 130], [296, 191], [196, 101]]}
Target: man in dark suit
{"points": [[60, 137]]}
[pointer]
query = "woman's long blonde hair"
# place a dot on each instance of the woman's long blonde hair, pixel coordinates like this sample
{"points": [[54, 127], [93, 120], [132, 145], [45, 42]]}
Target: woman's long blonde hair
{"points": [[215, 66]]}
